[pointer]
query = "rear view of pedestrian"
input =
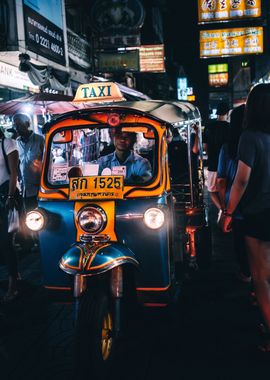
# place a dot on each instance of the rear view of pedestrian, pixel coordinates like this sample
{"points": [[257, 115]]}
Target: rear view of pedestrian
{"points": [[215, 135], [227, 166], [252, 187]]}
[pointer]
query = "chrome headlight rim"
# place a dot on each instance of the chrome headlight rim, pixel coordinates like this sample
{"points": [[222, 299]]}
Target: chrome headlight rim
{"points": [[147, 223], [42, 216], [96, 209]]}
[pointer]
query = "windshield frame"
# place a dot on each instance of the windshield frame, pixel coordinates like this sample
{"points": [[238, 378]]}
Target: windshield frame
{"points": [[155, 170]]}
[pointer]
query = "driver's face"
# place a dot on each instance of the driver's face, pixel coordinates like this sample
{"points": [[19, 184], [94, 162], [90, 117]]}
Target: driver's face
{"points": [[123, 141]]}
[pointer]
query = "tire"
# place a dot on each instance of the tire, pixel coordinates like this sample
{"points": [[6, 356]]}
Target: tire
{"points": [[95, 336]]}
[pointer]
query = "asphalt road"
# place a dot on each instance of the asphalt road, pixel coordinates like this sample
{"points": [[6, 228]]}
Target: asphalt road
{"points": [[210, 334]]}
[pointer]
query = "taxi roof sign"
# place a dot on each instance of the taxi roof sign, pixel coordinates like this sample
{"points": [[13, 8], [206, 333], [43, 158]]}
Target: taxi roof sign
{"points": [[99, 92]]}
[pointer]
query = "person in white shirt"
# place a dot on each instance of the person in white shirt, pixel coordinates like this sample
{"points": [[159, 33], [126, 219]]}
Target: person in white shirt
{"points": [[30, 147]]}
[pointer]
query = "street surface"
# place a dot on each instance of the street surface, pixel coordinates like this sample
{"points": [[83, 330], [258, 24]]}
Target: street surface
{"points": [[211, 333]]}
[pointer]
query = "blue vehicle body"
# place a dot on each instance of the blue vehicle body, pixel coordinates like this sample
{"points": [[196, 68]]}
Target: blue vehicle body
{"points": [[58, 244]]}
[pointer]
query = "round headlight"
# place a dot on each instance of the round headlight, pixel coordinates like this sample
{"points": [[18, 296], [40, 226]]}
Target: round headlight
{"points": [[35, 220], [154, 218], [92, 219]]}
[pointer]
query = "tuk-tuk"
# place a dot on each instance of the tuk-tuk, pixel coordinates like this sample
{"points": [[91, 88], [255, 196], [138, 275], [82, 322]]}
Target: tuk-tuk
{"points": [[118, 226]]}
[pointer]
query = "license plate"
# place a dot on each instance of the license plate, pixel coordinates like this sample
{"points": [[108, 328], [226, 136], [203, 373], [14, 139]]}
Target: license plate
{"points": [[96, 187]]}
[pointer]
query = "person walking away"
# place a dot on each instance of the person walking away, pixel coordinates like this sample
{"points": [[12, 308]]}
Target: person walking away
{"points": [[227, 166], [215, 135], [252, 186], [30, 147], [8, 180]]}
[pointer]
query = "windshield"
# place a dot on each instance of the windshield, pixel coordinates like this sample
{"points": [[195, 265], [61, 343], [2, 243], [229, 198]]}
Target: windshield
{"points": [[127, 151]]}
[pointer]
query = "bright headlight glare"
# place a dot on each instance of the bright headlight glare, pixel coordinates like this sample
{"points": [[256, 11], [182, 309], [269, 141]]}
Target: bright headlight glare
{"points": [[35, 220], [92, 219], [154, 218]]}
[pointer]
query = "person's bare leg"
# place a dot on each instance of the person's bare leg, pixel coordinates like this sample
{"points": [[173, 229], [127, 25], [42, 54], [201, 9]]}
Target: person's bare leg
{"points": [[259, 260]]}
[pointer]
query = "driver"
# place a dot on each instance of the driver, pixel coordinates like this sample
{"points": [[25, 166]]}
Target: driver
{"points": [[124, 161]]}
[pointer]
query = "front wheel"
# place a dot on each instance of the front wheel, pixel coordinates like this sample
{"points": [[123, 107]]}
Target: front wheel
{"points": [[95, 335]]}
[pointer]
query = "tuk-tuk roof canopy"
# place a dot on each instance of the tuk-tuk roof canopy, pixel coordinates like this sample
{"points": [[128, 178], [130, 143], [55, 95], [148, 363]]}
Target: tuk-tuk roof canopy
{"points": [[173, 113]]}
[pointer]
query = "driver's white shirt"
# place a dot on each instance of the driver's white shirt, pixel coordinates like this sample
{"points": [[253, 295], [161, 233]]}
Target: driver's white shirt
{"points": [[135, 164]]}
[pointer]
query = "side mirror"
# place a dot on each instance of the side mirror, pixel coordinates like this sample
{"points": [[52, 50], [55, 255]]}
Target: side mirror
{"points": [[63, 137], [149, 134]]}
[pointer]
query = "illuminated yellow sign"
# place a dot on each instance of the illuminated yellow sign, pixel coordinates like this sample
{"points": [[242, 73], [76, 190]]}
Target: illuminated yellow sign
{"points": [[96, 187], [218, 79], [218, 68], [215, 10], [235, 41], [98, 92]]}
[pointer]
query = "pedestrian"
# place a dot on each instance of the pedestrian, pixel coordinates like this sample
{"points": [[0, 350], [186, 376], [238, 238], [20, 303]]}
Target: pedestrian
{"points": [[30, 147], [215, 135], [8, 181], [252, 186], [227, 166]]}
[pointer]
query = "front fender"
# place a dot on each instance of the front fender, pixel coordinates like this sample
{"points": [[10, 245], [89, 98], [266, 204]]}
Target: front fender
{"points": [[89, 260]]}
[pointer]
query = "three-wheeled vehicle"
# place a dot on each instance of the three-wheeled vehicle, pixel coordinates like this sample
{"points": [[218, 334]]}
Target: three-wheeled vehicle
{"points": [[119, 211]]}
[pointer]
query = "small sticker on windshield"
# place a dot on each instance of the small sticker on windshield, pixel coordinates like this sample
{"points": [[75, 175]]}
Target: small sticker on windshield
{"points": [[119, 170], [60, 173]]}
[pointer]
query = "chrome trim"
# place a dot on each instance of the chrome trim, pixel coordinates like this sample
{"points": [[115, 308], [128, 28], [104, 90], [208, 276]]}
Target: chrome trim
{"points": [[104, 269], [129, 216], [67, 270], [46, 191], [79, 285], [190, 164], [114, 264], [94, 238], [96, 208]]}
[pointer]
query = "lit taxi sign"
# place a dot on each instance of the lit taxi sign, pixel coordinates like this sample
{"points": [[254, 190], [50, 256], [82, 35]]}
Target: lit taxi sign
{"points": [[215, 10], [96, 187], [234, 41], [98, 92]]}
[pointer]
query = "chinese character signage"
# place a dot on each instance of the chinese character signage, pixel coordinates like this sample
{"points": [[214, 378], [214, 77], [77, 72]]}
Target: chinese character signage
{"points": [[229, 42], [182, 88], [216, 10], [44, 29]]}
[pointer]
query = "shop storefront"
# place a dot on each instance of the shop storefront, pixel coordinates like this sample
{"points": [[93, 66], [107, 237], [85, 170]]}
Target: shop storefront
{"points": [[14, 83]]}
